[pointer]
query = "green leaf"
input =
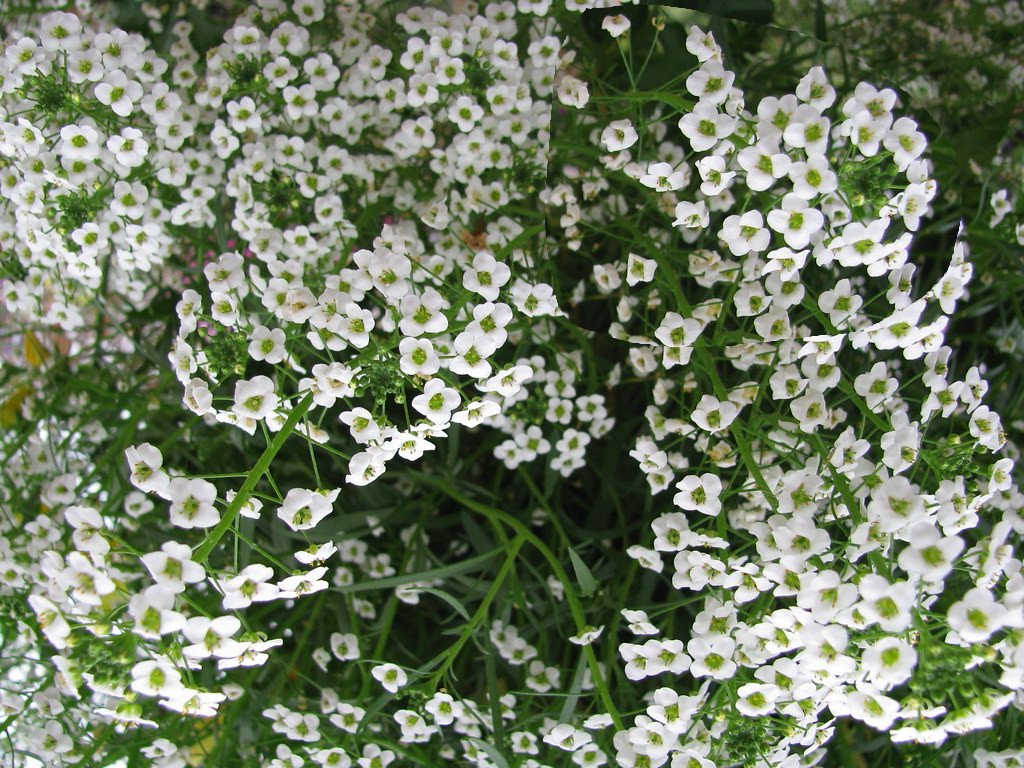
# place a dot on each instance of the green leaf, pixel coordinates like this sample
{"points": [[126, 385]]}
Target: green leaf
{"points": [[569, 706], [520, 240], [243, 494], [428, 575], [588, 584], [492, 751], [448, 598]]}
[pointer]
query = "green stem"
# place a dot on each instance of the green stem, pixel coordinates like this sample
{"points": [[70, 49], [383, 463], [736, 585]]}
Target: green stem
{"points": [[481, 612], [575, 608], [262, 466]]}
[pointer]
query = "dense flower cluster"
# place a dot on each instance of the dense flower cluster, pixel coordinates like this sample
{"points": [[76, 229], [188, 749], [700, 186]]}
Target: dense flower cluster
{"points": [[441, 250], [959, 59]]}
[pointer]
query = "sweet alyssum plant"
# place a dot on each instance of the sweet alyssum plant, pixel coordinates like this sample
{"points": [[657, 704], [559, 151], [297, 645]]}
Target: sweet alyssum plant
{"points": [[437, 384]]}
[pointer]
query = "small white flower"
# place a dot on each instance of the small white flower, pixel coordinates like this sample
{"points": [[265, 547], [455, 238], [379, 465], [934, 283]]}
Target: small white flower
{"points": [[619, 134], [587, 636], [616, 25], [390, 676], [977, 615], [437, 401], [192, 503], [255, 398], [267, 344], [302, 509], [486, 276], [714, 415], [345, 647]]}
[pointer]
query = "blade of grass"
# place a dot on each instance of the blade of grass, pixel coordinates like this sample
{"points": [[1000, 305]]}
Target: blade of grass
{"points": [[262, 465]]}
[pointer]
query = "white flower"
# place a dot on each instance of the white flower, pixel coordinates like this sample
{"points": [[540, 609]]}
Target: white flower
{"points": [[267, 344], [145, 463], [418, 358], [691, 215], [987, 428], [88, 525], [390, 676], [356, 325], [813, 177], [929, 555], [619, 134], [212, 637], [471, 353], [889, 662], [976, 616], [745, 233], [305, 583], [757, 699], [895, 505], [587, 636], [475, 412], [710, 83], [616, 25], [702, 44], [705, 126], [699, 493], [714, 415], [796, 221], [535, 300], [79, 143], [302, 509], [875, 386], [815, 89], [573, 92], [567, 737], [365, 467], [639, 270], [192, 503], [465, 113], [716, 179], [188, 701], [486, 276], [444, 709], [712, 657], [866, 703], [172, 566], [437, 215], [663, 177], [119, 93], [255, 398], [251, 585], [763, 164], [888, 605], [129, 148], [905, 142], [155, 678], [362, 426], [437, 401], [345, 647]]}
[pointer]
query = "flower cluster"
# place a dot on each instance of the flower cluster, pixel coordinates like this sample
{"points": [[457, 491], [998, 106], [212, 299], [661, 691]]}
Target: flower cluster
{"points": [[963, 60], [444, 386]]}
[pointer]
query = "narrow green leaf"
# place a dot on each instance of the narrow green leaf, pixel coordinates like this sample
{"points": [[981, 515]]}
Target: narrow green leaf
{"points": [[448, 598], [433, 573], [493, 698], [569, 706], [492, 751], [587, 582], [262, 465], [520, 240]]}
